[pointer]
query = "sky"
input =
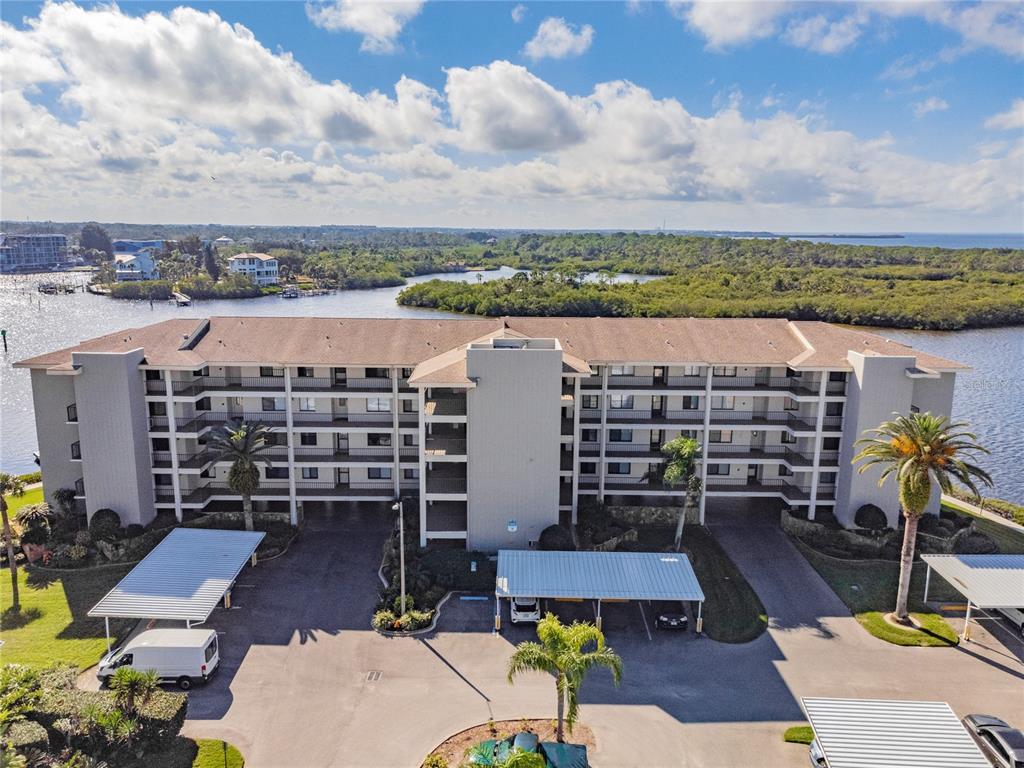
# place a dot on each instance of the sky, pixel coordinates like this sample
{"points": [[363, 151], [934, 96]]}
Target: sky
{"points": [[782, 116]]}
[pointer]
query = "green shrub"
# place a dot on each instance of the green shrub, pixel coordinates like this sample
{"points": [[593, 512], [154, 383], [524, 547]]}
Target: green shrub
{"points": [[24, 735], [799, 734], [399, 608], [134, 530], [871, 517], [435, 761], [82, 538], [105, 525], [384, 620], [432, 597], [971, 542], [31, 477], [36, 532], [414, 620], [19, 691], [556, 538]]}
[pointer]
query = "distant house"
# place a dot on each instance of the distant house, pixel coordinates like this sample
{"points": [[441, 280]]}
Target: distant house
{"points": [[223, 242], [140, 265], [134, 246], [245, 241], [261, 268], [29, 253]]}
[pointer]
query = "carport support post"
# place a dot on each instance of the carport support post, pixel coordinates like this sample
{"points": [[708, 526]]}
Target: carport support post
{"points": [[598, 613], [106, 626], [966, 634], [497, 613], [700, 620], [927, 582]]}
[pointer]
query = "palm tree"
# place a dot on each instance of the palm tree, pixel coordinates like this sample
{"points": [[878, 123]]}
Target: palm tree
{"points": [[919, 449], [682, 454], [11, 485], [132, 687], [560, 653], [241, 443]]}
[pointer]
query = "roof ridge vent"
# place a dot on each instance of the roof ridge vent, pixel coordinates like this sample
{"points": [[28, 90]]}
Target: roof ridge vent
{"points": [[190, 340]]}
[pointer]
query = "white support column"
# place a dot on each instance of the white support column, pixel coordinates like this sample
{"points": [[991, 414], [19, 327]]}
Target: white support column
{"points": [[172, 440], [396, 440], [705, 442], [927, 583], [597, 623], [421, 438], [575, 447], [965, 636], [816, 461], [602, 435], [293, 512], [106, 627]]}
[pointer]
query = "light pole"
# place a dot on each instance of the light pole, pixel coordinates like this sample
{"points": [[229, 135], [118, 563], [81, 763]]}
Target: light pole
{"points": [[398, 507]]}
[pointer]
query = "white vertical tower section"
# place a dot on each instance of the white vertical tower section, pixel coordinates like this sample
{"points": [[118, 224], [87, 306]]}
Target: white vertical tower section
{"points": [[816, 461], [395, 437], [421, 438], [602, 434], [575, 446], [172, 439], [293, 513], [705, 443]]}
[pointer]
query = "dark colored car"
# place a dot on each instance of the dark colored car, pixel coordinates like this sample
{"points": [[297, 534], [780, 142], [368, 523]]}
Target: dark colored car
{"points": [[1003, 744], [670, 616]]}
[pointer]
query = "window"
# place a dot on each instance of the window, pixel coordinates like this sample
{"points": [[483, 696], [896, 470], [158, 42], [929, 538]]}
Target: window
{"points": [[588, 435], [307, 404], [162, 480], [155, 409], [203, 404], [272, 403], [310, 473], [830, 444], [275, 438], [622, 370], [267, 371], [339, 374], [720, 436], [277, 473], [80, 487], [410, 474], [620, 435], [720, 403], [914, 409], [73, 412], [378, 373], [785, 471], [691, 370], [305, 373], [691, 403], [588, 468], [590, 401], [307, 438], [837, 376], [718, 469], [76, 450], [619, 468], [161, 444], [379, 473], [153, 376], [724, 370], [621, 401], [378, 438], [406, 373], [409, 440], [788, 439], [791, 405], [408, 406], [827, 478], [833, 409], [378, 405]]}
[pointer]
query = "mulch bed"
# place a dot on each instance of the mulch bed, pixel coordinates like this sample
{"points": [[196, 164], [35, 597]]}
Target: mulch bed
{"points": [[453, 749]]}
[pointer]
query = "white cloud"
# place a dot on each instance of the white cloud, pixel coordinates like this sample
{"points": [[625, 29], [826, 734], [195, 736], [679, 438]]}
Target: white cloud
{"points": [[1010, 120], [557, 39], [378, 21], [817, 33], [519, 13], [728, 23], [931, 104]]}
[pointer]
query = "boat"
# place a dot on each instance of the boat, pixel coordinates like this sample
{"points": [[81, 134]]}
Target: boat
{"points": [[290, 292]]}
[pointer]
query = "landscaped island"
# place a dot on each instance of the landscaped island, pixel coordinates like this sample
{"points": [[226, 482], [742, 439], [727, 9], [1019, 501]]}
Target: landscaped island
{"points": [[904, 287]]}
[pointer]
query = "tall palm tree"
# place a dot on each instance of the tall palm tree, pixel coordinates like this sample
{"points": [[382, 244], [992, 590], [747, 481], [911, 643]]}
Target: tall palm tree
{"points": [[560, 653], [241, 443], [680, 469], [11, 485], [920, 449]]}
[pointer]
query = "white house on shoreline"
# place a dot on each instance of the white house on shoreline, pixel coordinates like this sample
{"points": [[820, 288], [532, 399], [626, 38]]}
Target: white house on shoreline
{"points": [[261, 268]]}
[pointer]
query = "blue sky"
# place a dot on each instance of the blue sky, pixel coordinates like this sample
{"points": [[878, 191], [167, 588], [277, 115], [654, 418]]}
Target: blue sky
{"points": [[723, 115]]}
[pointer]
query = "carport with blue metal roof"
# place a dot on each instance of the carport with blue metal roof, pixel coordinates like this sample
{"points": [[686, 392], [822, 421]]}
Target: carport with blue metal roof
{"points": [[597, 576]]}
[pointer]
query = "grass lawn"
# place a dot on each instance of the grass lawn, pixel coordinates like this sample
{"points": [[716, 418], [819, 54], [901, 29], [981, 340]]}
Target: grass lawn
{"points": [[799, 734], [195, 753], [1010, 540], [868, 587], [733, 613], [14, 503], [53, 625]]}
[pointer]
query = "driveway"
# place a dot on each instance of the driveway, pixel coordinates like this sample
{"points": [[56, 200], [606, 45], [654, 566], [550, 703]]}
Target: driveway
{"points": [[306, 682]]}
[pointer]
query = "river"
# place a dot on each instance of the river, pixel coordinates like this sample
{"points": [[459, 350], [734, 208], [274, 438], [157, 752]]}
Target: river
{"points": [[990, 397]]}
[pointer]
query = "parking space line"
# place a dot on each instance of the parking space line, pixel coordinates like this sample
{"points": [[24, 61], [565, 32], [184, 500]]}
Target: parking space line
{"points": [[643, 616]]}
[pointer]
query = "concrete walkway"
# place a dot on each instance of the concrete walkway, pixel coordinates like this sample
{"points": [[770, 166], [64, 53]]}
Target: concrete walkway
{"points": [[300, 683]]}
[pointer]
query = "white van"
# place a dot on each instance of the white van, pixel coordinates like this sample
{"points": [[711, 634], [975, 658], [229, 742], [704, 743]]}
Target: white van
{"points": [[179, 656]]}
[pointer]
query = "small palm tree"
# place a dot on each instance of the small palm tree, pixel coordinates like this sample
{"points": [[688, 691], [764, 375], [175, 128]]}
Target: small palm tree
{"points": [[64, 498], [682, 454], [11, 485], [241, 443], [919, 449], [560, 653], [132, 687]]}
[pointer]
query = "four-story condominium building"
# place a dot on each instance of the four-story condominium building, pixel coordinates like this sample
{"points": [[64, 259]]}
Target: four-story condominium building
{"points": [[498, 426]]}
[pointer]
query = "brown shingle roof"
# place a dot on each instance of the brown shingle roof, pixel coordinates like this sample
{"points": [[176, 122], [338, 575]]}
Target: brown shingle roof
{"points": [[409, 342]]}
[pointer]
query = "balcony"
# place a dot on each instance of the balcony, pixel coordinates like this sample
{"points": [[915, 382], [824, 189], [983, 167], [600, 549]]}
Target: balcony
{"points": [[445, 406], [278, 489], [446, 479], [764, 419], [441, 446], [652, 382], [446, 517], [627, 416], [633, 451], [567, 427], [200, 384], [795, 385], [641, 485], [780, 486], [769, 453]]}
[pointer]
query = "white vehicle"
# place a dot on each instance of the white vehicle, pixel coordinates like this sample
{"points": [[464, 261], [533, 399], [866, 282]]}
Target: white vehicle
{"points": [[525, 609], [181, 656], [1016, 618]]}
